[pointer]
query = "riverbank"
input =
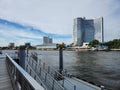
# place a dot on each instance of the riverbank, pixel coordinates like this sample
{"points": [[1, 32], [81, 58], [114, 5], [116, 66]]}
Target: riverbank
{"points": [[115, 49], [68, 49], [90, 49]]}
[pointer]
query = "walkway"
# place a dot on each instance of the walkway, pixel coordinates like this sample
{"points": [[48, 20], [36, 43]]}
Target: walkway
{"points": [[5, 82]]}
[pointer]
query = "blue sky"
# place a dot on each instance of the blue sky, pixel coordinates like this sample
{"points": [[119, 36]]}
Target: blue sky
{"points": [[18, 33], [28, 20]]}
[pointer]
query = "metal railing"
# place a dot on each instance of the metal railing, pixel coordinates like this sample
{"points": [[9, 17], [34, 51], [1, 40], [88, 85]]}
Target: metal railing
{"points": [[51, 78], [13, 55], [21, 80]]}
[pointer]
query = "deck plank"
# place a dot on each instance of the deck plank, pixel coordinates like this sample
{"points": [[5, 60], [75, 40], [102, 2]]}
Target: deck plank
{"points": [[5, 82]]}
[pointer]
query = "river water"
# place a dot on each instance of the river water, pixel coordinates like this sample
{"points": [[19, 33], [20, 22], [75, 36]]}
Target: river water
{"points": [[97, 67]]}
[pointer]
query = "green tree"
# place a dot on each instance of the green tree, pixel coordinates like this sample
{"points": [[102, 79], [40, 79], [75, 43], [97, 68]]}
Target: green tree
{"points": [[4, 48], [22, 47], [93, 43], [113, 44]]}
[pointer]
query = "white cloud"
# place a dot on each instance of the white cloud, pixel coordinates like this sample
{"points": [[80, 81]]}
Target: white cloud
{"points": [[56, 16], [14, 32], [18, 36]]}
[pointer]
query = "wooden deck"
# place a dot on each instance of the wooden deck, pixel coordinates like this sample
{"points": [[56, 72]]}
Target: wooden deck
{"points": [[5, 82]]}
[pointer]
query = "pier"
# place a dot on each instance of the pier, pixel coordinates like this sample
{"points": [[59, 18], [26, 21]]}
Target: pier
{"points": [[5, 81]]}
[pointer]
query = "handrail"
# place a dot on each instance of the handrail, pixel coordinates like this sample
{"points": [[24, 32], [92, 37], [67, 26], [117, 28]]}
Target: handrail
{"points": [[52, 73], [21, 80], [47, 74]]}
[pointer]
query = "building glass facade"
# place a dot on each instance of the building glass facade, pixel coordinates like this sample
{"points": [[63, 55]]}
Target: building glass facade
{"points": [[47, 40], [86, 30]]}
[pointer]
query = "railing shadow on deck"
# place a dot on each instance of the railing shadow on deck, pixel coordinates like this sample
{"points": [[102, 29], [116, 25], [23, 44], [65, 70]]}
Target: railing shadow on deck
{"points": [[21, 80]]}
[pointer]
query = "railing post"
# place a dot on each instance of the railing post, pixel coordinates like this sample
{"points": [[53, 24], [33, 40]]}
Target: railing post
{"points": [[35, 77], [43, 65], [45, 76], [40, 62], [40, 71], [30, 71], [48, 69], [63, 83], [53, 84], [32, 63], [74, 87], [36, 65]]}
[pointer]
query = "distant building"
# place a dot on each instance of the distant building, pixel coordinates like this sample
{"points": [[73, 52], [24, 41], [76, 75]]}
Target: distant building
{"points": [[11, 45], [28, 44], [47, 40], [47, 44], [86, 30], [50, 40]]}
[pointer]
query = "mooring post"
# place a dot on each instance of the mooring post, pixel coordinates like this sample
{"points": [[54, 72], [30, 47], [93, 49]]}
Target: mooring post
{"points": [[61, 46], [22, 58], [60, 60]]}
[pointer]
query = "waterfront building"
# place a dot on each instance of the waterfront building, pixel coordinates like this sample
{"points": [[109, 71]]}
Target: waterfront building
{"points": [[47, 40], [47, 44], [11, 45], [86, 30], [27, 44], [50, 40]]}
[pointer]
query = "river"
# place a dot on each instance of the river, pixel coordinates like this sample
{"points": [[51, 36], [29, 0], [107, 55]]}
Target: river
{"points": [[97, 67]]}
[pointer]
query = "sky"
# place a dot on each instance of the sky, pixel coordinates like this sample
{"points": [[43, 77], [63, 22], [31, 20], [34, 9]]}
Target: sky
{"points": [[29, 20]]}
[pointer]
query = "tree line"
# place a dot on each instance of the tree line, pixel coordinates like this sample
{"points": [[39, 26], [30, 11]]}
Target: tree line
{"points": [[111, 44]]}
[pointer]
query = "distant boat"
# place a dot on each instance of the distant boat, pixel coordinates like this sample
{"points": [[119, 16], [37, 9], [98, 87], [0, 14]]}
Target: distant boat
{"points": [[100, 48], [94, 49]]}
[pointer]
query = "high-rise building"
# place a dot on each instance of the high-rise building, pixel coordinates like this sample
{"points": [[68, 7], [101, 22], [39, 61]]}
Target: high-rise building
{"points": [[50, 40], [47, 40], [86, 30], [27, 44], [11, 45]]}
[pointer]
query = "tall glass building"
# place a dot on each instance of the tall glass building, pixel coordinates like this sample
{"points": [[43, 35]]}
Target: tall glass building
{"points": [[86, 30]]}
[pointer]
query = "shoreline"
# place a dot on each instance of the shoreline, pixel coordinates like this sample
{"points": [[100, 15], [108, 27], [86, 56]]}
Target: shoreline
{"points": [[70, 49], [115, 49], [89, 49]]}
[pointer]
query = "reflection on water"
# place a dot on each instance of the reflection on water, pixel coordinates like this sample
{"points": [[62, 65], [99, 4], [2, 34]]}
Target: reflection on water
{"points": [[101, 68]]}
